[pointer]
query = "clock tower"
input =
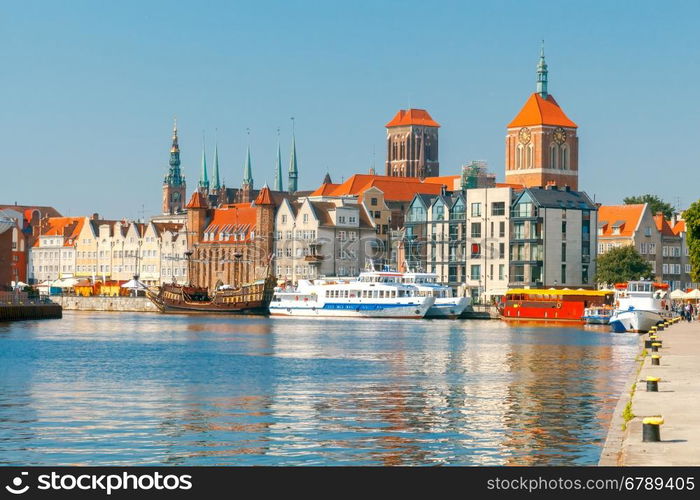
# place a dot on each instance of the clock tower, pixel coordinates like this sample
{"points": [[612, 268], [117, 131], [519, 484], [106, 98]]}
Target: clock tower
{"points": [[541, 143], [174, 183]]}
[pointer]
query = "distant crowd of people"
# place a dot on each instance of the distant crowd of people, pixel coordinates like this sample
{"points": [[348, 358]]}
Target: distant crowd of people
{"points": [[686, 311]]}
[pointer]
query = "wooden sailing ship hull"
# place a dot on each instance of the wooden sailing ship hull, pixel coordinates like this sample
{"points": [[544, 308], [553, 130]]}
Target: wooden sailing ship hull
{"points": [[253, 298]]}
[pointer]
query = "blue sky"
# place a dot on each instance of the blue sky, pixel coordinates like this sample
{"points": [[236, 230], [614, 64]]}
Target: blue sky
{"points": [[90, 89]]}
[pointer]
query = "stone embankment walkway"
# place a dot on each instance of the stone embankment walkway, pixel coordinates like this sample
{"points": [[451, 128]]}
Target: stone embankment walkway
{"points": [[677, 401]]}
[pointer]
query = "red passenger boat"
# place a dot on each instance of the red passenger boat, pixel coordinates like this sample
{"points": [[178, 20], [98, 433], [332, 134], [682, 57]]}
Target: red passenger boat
{"points": [[551, 304]]}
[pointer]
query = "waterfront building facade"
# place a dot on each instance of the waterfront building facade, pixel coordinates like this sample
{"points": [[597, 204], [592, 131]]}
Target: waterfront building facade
{"points": [[231, 245], [552, 242], [622, 225], [323, 236], [488, 242], [53, 255]]}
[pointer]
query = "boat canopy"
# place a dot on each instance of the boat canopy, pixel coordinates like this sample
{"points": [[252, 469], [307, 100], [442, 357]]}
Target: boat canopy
{"points": [[553, 291]]}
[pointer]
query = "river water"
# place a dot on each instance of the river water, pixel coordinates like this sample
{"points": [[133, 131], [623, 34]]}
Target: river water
{"points": [[147, 389]]}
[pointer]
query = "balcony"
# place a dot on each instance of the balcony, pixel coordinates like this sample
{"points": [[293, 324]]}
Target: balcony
{"points": [[314, 259]]}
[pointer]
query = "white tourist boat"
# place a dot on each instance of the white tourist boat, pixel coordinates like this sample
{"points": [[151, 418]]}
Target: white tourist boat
{"points": [[639, 305], [369, 296], [447, 304]]}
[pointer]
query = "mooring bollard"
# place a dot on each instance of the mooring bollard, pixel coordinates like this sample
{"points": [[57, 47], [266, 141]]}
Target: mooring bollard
{"points": [[655, 359], [651, 429], [655, 346], [653, 384], [647, 343]]}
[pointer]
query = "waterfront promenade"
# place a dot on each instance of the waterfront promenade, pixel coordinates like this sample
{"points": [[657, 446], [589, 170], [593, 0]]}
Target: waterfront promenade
{"points": [[678, 402]]}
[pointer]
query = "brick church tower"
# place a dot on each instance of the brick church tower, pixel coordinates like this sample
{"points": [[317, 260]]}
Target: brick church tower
{"points": [[412, 145], [541, 143], [174, 187]]}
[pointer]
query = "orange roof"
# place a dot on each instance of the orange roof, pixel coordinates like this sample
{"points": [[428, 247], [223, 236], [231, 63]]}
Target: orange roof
{"points": [[236, 221], [394, 188], [625, 216], [452, 182], [663, 226], [264, 197], [56, 226], [539, 111], [412, 117], [197, 201], [679, 227]]}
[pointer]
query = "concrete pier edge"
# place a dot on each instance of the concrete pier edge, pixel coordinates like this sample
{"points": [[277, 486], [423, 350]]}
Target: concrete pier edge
{"points": [[677, 402], [617, 430]]}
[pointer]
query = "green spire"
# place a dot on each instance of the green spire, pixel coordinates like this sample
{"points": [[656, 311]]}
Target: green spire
{"points": [[217, 183], [247, 169], [278, 169], [293, 170], [174, 176], [542, 74], [204, 177]]}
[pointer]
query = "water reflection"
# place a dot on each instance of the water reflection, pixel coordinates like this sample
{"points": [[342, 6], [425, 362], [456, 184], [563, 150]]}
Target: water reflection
{"points": [[148, 389]]}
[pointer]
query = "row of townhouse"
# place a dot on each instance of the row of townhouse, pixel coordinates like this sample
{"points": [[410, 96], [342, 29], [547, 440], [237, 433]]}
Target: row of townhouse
{"points": [[661, 242], [490, 239], [90, 247]]}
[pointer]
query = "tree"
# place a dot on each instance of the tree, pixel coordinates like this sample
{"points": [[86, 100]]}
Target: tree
{"points": [[692, 228], [622, 264], [656, 204]]}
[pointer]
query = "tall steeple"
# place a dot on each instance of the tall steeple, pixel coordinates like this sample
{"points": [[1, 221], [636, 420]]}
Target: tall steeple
{"points": [[247, 169], [293, 170], [174, 187], [204, 176], [174, 176], [278, 167], [542, 74], [217, 182]]}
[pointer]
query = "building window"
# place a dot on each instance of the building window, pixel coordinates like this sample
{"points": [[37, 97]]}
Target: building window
{"points": [[563, 227], [373, 202], [501, 250], [475, 272], [563, 274], [284, 219], [529, 156], [502, 229], [476, 209], [306, 218], [564, 157], [498, 208], [476, 229], [553, 156], [563, 251]]}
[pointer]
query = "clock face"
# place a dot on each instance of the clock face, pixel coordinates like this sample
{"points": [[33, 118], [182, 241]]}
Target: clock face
{"points": [[524, 135], [176, 196], [559, 135]]}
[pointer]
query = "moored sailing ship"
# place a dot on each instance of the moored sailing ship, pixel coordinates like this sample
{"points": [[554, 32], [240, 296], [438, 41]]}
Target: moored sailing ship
{"points": [[250, 298]]}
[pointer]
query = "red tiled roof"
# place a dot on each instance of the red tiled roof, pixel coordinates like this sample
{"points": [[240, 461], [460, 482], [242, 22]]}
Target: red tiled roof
{"points": [[394, 188], [56, 226], [679, 227], [627, 216], [412, 117], [663, 226], [264, 197], [236, 221], [197, 201], [540, 111]]}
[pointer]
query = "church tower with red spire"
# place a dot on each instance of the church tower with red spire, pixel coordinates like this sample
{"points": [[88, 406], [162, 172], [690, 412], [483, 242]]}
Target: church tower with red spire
{"points": [[541, 143]]}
